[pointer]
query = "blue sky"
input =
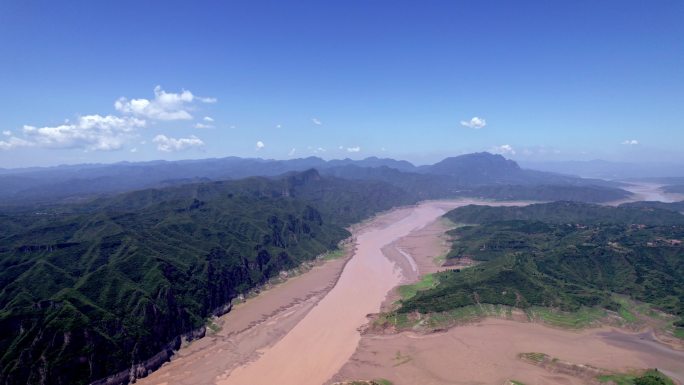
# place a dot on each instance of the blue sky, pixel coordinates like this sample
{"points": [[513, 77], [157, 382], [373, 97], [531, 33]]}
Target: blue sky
{"points": [[546, 80]]}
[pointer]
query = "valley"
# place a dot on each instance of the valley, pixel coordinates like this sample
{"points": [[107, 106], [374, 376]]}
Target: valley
{"points": [[361, 287], [341, 193], [487, 350], [256, 252]]}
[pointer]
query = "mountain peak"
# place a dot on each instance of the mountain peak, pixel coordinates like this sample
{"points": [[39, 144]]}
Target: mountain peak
{"points": [[304, 177], [479, 163]]}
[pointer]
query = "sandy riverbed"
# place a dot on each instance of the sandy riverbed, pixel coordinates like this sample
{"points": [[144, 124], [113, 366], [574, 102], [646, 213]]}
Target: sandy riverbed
{"points": [[486, 353]]}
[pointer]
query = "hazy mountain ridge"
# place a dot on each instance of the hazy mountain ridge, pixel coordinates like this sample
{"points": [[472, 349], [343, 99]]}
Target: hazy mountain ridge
{"points": [[452, 175]]}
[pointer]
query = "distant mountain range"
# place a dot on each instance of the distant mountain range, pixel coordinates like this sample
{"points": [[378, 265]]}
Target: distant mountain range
{"points": [[454, 176]]}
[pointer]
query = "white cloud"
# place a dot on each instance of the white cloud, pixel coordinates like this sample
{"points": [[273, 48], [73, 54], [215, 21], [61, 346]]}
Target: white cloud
{"points": [[279, 126], [475, 123], [504, 149], [631, 142], [164, 106], [208, 119], [353, 149], [206, 100], [202, 125], [92, 132], [7, 133], [316, 121], [133, 150], [260, 145], [292, 152], [14, 142], [167, 144], [317, 150]]}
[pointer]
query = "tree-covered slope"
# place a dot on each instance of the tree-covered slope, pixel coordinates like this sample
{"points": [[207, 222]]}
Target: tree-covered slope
{"points": [[87, 291], [566, 212], [671, 206], [563, 255]]}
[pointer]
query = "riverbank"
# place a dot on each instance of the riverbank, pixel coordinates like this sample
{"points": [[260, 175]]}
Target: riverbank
{"points": [[254, 324], [487, 352]]}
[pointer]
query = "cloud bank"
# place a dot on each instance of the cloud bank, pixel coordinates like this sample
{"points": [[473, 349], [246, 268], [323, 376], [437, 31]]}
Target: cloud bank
{"points": [[91, 132], [504, 149], [97, 132], [475, 123], [164, 106], [167, 144]]}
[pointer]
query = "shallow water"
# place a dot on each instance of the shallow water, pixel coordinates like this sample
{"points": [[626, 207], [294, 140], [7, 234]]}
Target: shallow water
{"points": [[654, 353]]}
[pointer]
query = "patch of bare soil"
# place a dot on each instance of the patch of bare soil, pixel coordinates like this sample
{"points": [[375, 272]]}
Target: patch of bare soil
{"points": [[488, 353]]}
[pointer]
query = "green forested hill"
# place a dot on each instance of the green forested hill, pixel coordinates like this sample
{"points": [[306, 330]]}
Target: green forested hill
{"points": [[569, 212], [90, 290], [671, 206], [563, 255]]}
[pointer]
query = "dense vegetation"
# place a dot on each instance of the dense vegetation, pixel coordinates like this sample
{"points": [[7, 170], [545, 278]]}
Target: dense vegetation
{"points": [[569, 212], [563, 255], [673, 206], [94, 289], [649, 377]]}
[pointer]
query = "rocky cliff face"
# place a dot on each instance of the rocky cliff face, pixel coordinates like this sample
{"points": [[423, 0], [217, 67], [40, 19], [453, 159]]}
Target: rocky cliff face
{"points": [[144, 368]]}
